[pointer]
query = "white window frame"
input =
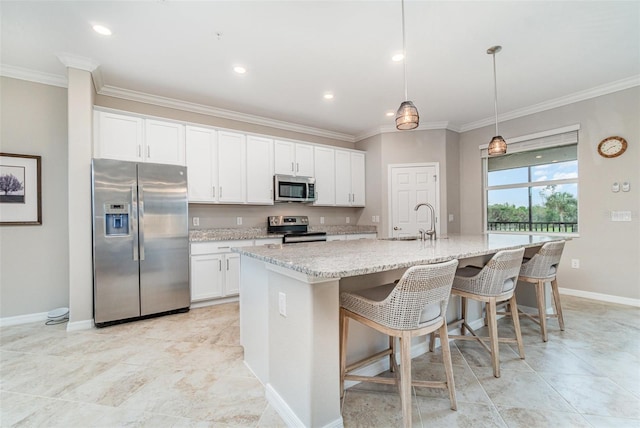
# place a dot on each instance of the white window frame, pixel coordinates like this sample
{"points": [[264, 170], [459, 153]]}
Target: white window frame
{"points": [[540, 140]]}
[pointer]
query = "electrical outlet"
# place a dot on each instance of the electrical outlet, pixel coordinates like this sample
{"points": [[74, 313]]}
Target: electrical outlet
{"points": [[196, 221], [282, 303], [321, 220], [348, 220], [450, 217], [373, 219], [377, 219], [239, 221], [575, 263]]}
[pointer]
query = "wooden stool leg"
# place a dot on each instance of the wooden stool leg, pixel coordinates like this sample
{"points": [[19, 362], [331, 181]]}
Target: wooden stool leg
{"points": [[448, 365], [486, 314], [493, 337], [344, 331], [392, 346], [516, 324], [542, 310], [556, 298], [463, 304], [432, 341], [405, 378]]}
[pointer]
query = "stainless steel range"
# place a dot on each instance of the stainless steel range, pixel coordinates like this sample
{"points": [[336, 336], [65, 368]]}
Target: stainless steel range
{"points": [[294, 228]]}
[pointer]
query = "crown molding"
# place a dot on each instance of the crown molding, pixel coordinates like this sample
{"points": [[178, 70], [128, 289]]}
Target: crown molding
{"points": [[609, 88], [127, 94], [79, 62], [33, 76], [425, 126]]}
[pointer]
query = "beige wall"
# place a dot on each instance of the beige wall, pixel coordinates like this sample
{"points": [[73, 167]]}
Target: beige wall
{"points": [[402, 148], [34, 271], [609, 252]]}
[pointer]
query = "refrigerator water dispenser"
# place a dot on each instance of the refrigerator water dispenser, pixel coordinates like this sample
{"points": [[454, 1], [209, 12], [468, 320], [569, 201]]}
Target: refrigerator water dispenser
{"points": [[116, 219]]}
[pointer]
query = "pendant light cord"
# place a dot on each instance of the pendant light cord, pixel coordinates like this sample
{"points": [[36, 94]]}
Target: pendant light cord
{"points": [[495, 90], [404, 53]]}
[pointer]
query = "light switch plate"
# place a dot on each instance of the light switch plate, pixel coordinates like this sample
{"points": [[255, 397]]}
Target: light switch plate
{"points": [[620, 215], [196, 221]]}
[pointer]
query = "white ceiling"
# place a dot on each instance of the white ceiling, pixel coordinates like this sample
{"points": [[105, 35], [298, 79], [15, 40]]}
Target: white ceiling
{"points": [[295, 51]]}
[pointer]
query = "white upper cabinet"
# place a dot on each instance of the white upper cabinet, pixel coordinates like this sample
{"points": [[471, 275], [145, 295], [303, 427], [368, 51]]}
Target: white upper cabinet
{"points": [[259, 170], [232, 165], [117, 136], [350, 178], [132, 138], [293, 158], [202, 164], [324, 160], [164, 142]]}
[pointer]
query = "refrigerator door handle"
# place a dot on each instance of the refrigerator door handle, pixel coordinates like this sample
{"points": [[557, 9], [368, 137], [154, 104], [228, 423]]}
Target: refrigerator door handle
{"points": [[133, 224], [141, 221]]}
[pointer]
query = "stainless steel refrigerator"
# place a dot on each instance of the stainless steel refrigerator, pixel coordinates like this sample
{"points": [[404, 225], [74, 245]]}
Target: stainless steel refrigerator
{"points": [[140, 240]]}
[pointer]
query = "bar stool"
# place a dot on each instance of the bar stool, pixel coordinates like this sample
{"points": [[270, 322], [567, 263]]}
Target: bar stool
{"points": [[492, 284], [415, 306], [538, 270]]}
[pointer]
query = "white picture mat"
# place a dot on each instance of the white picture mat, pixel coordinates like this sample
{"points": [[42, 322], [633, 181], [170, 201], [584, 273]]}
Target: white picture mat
{"points": [[28, 211]]}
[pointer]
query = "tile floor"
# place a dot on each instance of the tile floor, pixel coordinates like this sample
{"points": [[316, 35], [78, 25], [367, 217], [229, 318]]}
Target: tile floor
{"points": [[187, 370]]}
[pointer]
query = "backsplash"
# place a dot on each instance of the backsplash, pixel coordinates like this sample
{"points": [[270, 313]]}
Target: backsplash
{"points": [[226, 216]]}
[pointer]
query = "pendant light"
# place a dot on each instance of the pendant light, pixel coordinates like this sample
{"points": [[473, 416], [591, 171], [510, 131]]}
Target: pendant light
{"points": [[497, 146], [407, 115]]}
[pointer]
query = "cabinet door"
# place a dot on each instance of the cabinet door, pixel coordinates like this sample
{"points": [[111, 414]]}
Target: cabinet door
{"points": [[118, 136], [343, 178], [202, 164], [164, 142], [231, 167], [259, 170], [232, 274], [206, 276], [357, 179], [324, 159], [304, 160], [283, 157]]}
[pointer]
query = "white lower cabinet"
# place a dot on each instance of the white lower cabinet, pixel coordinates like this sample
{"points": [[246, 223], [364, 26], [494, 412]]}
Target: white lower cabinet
{"points": [[215, 270]]}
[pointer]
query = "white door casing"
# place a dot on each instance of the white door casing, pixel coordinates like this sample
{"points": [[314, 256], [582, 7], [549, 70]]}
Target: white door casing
{"points": [[409, 185]]}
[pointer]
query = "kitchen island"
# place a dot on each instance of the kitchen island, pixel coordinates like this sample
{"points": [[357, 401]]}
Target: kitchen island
{"points": [[289, 307]]}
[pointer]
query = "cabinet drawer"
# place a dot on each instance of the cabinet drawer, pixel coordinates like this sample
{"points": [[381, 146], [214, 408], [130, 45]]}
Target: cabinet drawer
{"points": [[212, 247]]}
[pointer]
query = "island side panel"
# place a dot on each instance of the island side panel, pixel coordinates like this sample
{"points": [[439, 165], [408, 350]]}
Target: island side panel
{"points": [[304, 366], [254, 316]]}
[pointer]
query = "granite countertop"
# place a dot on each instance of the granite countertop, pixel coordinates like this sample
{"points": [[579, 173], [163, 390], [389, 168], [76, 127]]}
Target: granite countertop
{"points": [[229, 234], [337, 259]]}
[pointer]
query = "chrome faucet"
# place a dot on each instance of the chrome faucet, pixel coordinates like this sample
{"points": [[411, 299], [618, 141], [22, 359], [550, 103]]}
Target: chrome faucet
{"points": [[432, 231]]}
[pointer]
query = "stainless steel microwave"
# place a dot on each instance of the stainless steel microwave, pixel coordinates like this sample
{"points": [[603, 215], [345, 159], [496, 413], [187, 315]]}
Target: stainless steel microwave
{"points": [[288, 188]]}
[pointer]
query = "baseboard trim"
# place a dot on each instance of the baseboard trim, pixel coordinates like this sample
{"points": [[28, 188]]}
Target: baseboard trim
{"points": [[601, 297], [23, 319], [213, 302], [80, 325], [288, 416]]}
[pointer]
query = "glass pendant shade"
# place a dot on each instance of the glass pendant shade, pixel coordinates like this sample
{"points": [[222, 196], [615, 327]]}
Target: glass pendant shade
{"points": [[497, 146], [407, 116]]}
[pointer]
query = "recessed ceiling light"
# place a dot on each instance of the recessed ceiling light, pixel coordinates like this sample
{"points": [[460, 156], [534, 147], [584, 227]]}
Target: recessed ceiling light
{"points": [[101, 29], [397, 57], [328, 96], [539, 157], [239, 69], [390, 114]]}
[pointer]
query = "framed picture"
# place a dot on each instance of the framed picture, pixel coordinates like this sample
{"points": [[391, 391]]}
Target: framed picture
{"points": [[20, 190]]}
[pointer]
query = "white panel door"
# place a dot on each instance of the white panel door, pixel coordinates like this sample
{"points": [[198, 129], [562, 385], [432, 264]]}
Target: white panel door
{"points": [[411, 185], [164, 142], [284, 157], [202, 164], [231, 167], [118, 136], [324, 159], [259, 170]]}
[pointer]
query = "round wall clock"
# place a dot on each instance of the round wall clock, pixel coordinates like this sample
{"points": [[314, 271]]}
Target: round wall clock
{"points": [[612, 147]]}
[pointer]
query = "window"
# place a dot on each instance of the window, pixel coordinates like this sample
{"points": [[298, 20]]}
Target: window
{"points": [[534, 188]]}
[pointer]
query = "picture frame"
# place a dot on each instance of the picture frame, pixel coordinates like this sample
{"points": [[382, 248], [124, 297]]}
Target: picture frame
{"points": [[20, 190]]}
